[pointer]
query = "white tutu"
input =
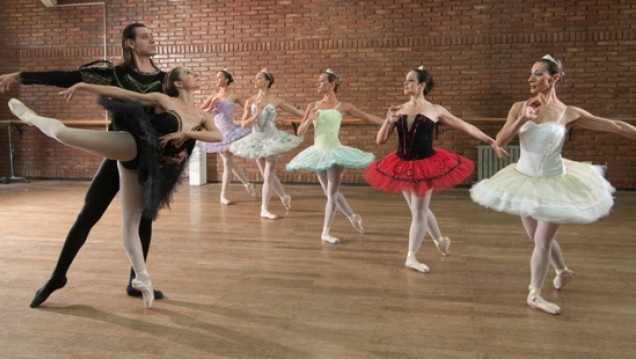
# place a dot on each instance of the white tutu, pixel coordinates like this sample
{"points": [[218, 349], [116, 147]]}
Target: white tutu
{"points": [[579, 195]]}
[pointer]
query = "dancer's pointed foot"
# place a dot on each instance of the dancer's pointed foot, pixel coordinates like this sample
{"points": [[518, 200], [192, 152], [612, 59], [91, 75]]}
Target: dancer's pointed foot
{"points": [[286, 202], [412, 263], [43, 293], [146, 290], [443, 245], [329, 239], [356, 222], [21, 111], [249, 187], [137, 293], [537, 302], [265, 214], [224, 200], [562, 278]]}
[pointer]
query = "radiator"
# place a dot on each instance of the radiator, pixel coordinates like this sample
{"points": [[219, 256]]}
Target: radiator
{"points": [[488, 163]]}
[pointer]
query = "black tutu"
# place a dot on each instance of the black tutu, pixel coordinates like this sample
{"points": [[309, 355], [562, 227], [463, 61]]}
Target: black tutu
{"points": [[158, 178]]}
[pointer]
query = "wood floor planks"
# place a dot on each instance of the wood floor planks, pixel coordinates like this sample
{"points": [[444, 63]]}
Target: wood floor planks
{"points": [[238, 286]]}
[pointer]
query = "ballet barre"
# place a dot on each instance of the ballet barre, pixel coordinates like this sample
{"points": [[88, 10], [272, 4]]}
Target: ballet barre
{"points": [[12, 178]]}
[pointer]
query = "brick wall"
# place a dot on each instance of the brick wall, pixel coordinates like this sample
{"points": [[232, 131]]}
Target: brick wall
{"points": [[478, 51]]}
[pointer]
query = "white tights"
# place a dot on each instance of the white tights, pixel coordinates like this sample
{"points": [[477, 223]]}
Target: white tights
{"points": [[267, 166], [546, 249], [132, 206], [422, 220], [330, 183], [119, 146], [230, 167]]}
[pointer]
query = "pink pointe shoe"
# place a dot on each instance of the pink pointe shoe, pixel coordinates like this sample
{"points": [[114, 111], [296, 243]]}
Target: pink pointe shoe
{"points": [[356, 222], [21, 111], [443, 245], [537, 302], [146, 290], [563, 278]]}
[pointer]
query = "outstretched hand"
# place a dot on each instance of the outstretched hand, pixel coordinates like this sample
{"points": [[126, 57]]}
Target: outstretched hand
{"points": [[499, 151], [69, 92], [7, 80]]}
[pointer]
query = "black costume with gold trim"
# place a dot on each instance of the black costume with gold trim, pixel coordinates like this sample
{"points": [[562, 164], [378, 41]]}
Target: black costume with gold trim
{"points": [[105, 184], [121, 76], [158, 178]]}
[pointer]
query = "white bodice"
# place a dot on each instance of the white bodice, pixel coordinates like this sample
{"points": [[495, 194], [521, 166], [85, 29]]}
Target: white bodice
{"points": [[266, 121], [541, 146]]}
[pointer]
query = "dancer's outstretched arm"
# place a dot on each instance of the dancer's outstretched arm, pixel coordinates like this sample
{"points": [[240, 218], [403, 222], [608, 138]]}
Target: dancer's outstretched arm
{"points": [[289, 108], [457, 123], [153, 99], [355, 112], [589, 121]]}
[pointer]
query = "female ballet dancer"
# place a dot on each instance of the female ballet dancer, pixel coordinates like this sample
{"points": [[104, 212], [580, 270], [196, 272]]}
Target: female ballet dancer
{"points": [[328, 157], [136, 72], [542, 187], [416, 168], [266, 142], [139, 142], [222, 105]]}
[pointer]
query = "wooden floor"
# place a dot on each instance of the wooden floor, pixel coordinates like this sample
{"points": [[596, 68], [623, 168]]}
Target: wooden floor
{"points": [[238, 286]]}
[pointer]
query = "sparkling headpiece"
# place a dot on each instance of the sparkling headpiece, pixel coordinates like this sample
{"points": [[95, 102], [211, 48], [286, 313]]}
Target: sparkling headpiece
{"points": [[548, 57], [421, 68], [264, 70], [330, 71], [227, 72]]}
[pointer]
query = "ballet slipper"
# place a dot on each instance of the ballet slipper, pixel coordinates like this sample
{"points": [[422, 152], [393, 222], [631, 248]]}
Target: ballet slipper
{"points": [[43, 293], [443, 245], [412, 263], [137, 293], [356, 222], [286, 202], [562, 278], [267, 215], [537, 302], [21, 111], [329, 239], [146, 290], [224, 200], [249, 187]]}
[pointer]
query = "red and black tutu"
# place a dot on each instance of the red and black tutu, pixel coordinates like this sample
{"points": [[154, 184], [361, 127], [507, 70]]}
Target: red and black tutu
{"points": [[441, 170]]}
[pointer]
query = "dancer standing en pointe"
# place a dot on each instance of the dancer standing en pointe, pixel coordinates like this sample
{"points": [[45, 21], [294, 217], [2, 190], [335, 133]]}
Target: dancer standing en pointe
{"points": [[137, 72], [416, 168], [327, 156], [222, 105], [139, 142], [542, 187], [266, 142]]}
